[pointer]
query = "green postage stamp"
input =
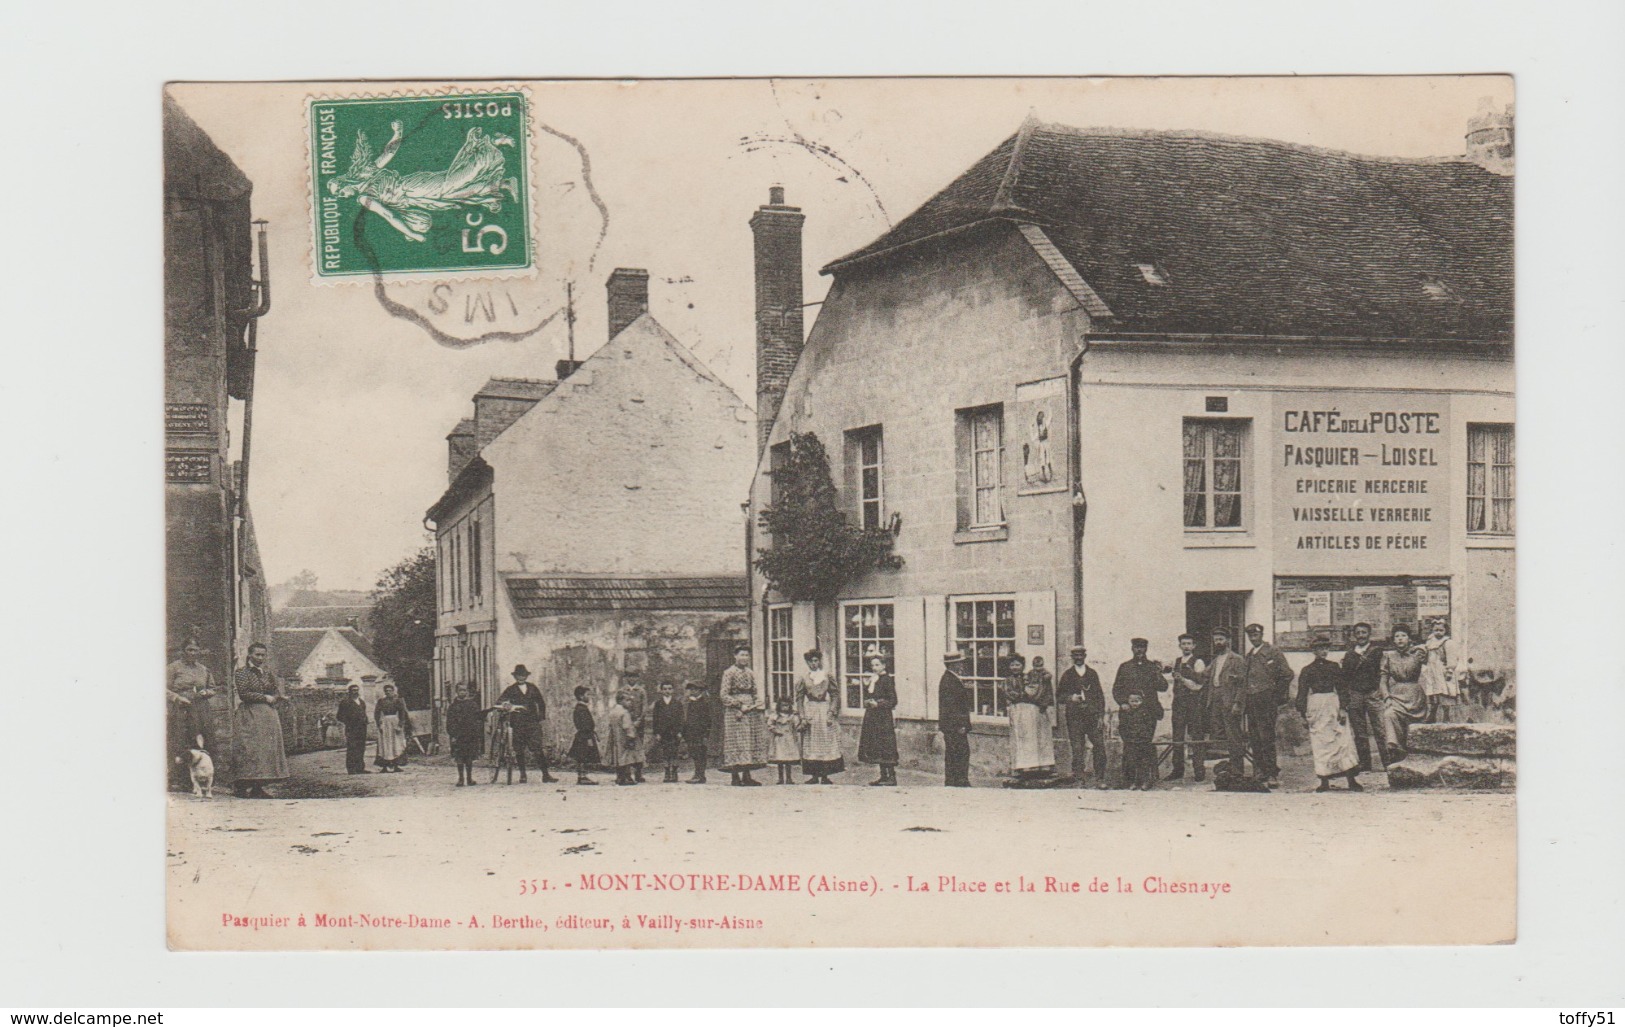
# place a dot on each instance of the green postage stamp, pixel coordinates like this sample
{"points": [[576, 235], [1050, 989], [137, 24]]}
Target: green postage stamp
{"points": [[420, 184]]}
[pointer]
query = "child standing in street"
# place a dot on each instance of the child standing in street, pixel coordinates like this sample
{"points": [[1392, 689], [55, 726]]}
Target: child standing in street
{"points": [[584, 749], [784, 750], [465, 724], [697, 729], [622, 753], [666, 722]]}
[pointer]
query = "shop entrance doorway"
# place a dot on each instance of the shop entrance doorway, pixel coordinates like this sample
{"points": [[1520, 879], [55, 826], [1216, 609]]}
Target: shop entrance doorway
{"points": [[1205, 611]]}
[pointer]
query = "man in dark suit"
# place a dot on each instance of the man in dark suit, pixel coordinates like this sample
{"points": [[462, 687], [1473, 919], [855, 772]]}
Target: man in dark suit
{"points": [[1227, 698], [1362, 673], [353, 715], [530, 711], [1081, 699], [1269, 681], [953, 720], [1139, 708]]}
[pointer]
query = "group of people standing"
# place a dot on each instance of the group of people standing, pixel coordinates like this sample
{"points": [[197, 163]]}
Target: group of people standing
{"points": [[1230, 701], [196, 707]]}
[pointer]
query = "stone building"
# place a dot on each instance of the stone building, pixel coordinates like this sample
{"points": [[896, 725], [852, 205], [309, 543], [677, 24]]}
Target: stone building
{"points": [[334, 658], [593, 522], [216, 590], [1120, 384]]}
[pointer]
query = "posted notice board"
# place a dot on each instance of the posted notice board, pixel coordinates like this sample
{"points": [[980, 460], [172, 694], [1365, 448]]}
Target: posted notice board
{"points": [[1305, 607]]}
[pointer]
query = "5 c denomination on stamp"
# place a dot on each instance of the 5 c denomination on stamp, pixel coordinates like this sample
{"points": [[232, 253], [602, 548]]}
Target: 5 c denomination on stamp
{"points": [[415, 185]]}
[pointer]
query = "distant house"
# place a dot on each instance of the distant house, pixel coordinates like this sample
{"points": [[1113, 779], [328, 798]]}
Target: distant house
{"points": [[1116, 384], [592, 524], [327, 657]]}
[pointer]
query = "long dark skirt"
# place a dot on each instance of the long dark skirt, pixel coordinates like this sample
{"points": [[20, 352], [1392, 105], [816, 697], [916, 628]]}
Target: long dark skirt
{"points": [[877, 742]]}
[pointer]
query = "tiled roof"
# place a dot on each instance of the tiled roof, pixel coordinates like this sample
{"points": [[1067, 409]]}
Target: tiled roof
{"points": [[464, 427], [550, 596], [518, 388], [290, 647], [1247, 236]]}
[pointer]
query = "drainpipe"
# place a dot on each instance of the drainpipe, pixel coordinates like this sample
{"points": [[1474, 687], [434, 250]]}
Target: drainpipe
{"points": [[262, 306], [1080, 501]]}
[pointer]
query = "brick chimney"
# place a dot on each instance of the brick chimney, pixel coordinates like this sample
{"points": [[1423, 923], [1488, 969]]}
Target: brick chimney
{"points": [[460, 448], [628, 289], [1489, 140], [779, 336]]}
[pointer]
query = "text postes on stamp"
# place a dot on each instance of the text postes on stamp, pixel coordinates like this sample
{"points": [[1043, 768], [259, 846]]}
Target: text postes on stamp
{"points": [[420, 185]]}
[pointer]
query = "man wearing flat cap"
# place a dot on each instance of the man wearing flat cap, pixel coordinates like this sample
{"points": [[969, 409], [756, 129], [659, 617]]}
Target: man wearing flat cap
{"points": [[1083, 702], [1269, 680], [1135, 690], [529, 713], [953, 720]]}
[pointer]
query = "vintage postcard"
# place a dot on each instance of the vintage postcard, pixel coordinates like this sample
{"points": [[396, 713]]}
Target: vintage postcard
{"points": [[854, 512]]}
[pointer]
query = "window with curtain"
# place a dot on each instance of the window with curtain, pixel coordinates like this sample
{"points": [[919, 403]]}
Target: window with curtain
{"points": [[1215, 474], [1490, 478]]}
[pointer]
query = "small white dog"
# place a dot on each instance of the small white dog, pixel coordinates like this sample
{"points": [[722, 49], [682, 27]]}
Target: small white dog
{"points": [[202, 769]]}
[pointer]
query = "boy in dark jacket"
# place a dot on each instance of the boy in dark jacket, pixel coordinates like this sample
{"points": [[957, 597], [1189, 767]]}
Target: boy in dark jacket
{"points": [[697, 728], [666, 721], [465, 724], [584, 749]]}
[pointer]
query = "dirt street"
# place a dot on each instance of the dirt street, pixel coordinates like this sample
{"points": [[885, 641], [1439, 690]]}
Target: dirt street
{"points": [[410, 861]]}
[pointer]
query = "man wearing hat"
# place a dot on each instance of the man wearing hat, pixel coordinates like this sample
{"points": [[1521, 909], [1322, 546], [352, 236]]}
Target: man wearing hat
{"points": [[953, 720], [1083, 702], [1227, 698], [530, 711], [1269, 683], [1135, 691]]}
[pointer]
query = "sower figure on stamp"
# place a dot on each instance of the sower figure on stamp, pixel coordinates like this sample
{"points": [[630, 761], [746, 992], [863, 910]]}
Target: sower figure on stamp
{"points": [[352, 713], [261, 758], [1140, 708], [744, 728], [953, 720], [1190, 703], [1269, 679], [1227, 700], [529, 714], [1362, 675], [1083, 703]]}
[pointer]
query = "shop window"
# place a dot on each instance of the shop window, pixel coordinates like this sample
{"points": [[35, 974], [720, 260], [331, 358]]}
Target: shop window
{"points": [[781, 654], [985, 631], [1215, 474], [867, 630], [1490, 476]]}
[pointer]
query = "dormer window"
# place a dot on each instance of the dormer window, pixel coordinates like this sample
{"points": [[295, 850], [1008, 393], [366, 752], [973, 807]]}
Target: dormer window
{"points": [[1152, 274]]}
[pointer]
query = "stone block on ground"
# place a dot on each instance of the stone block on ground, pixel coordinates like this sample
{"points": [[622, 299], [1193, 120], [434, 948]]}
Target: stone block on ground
{"points": [[1458, 772], [1463, 739]]}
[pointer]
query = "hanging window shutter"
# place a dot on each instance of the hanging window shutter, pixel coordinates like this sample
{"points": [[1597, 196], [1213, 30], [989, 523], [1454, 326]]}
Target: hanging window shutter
{"points": [[852, 492], [963, 482], [804, 635], [908, 627], [935, 611]]}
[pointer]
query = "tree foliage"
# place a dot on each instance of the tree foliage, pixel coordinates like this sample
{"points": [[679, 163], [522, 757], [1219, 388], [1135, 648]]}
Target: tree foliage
{"points": [[814, 551], [403, 619]]}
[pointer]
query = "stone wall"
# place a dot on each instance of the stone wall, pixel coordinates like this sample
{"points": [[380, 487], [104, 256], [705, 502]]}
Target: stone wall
{"points": [[1459, 756]]}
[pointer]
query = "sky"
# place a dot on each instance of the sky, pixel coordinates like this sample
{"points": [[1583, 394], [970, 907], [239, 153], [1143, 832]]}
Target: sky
{"points": [[352, 405]]}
